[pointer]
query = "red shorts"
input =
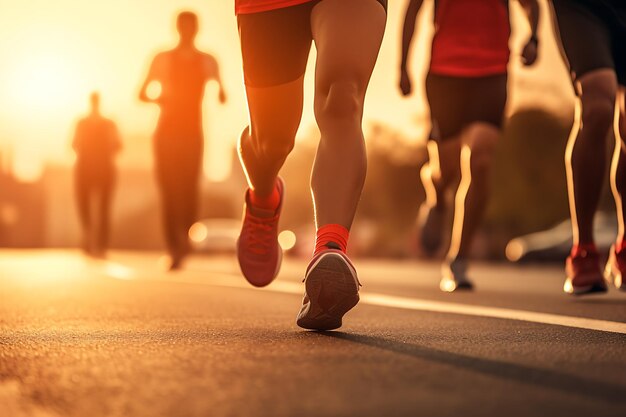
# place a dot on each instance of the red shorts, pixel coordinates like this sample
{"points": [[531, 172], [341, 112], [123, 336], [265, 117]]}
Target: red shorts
{"points": [[257, 6]]}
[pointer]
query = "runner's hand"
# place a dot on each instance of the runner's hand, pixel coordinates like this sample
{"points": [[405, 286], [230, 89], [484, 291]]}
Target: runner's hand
{"points": [[529, 54], [405, 82]]}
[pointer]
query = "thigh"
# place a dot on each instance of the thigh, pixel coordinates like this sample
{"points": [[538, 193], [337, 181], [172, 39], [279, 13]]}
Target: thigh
{"points": [[585, 38], [488, 97], [347, 35], [275, 45], [448, 101]]}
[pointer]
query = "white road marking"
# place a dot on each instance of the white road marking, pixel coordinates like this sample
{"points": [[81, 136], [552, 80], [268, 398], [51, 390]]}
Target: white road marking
{"points": [[392, 301]]}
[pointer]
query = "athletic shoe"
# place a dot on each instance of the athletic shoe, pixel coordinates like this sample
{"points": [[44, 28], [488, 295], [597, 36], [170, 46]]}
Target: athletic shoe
{"points": [[615, 268], [584, 275], [258, 251], [454, 276], [431, 223], [331, 290]]}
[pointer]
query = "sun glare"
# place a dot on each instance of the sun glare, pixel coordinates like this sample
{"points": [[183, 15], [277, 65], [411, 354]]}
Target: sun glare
{"points": [[44, 81]]}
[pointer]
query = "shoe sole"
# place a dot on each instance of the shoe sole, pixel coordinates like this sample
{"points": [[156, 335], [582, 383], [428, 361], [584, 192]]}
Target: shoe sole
{"points": [[332, 290], [465, 286], [598, 287]]}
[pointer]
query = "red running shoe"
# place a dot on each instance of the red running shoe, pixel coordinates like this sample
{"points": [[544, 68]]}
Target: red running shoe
{"points": [[258, 251], [584, 275], [615, 268], [331, 290]]}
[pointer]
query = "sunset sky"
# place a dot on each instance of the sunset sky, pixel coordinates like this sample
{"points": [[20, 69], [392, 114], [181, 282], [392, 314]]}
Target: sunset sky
{"points": [[54, 53]]}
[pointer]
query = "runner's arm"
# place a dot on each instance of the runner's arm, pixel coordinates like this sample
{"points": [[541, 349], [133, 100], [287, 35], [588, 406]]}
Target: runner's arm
{"points": [[408, 31], [154, 74], [531, 9], [213, 73], [78, 137]]}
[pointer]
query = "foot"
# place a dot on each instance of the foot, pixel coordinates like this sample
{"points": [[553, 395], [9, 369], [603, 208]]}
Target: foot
{"points": [[258, 251], [176, 263], [615, 268], [584, 275], [331, 290], [454, 276], [431, 222]]}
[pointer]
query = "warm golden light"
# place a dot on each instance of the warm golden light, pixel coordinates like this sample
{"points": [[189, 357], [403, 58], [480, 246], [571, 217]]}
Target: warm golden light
{"points": [[43, 81], [198, 232], [287, 240]]}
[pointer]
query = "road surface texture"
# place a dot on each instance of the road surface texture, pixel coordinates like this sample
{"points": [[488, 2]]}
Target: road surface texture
{"points": [[123, 338]]}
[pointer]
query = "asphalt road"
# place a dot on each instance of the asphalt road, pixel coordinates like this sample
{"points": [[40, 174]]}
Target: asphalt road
{"points": [[123, 338]]}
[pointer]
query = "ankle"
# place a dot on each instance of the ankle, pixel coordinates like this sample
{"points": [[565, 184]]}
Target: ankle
{"points": [[331, 236], [583, 248], [266, 202]]}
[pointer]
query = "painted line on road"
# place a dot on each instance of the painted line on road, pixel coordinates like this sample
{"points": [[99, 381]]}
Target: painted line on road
{"points": [[393, 301]]}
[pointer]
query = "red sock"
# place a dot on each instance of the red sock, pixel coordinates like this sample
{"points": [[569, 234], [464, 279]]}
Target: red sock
{"points": [[270, 202], [579, 249], [331, 236], [620, 246]]}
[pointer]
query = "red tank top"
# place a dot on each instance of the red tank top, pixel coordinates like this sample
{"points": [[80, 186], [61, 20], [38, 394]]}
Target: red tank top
{"points": [[257, 6], [471, 38]]}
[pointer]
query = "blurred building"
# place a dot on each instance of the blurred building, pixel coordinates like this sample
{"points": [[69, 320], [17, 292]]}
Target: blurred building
{"points": [[22, 209]]}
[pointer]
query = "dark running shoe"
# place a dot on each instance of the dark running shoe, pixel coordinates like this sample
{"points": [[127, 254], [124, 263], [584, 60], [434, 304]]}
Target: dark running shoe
{"points": [[454, 276], [584, 275], [431, 223]]}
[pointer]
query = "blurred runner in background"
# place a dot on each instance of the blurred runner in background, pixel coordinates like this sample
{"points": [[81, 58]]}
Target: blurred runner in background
{"points": [[96, 143], [466, 88]]}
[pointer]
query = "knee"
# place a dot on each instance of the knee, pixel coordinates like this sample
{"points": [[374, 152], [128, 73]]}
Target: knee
{"points": [[342, 101], [482, 147]]}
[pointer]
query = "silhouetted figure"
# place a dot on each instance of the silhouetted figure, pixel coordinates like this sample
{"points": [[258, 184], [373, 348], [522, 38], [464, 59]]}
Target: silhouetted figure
{"points": [[178, 141], [466, 88], [96, 143]]}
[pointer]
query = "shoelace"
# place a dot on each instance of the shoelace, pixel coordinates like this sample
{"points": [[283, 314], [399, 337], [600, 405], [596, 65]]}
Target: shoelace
{"points": [[260, 243]]}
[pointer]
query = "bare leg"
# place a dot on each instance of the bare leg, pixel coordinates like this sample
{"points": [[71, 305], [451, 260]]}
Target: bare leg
{"points": [[618, 167], [442, 171], [348, 35], [275, 114], [83, 194], [106, 196], [585, 157], [479, 142]]}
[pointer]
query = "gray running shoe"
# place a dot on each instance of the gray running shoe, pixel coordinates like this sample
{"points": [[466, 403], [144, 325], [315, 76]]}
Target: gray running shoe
{"points": [[454, 276]]}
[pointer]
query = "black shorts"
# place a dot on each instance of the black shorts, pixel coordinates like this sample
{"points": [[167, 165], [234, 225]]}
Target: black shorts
{"points": [[593, 35], [275, 45], [456, 102]]}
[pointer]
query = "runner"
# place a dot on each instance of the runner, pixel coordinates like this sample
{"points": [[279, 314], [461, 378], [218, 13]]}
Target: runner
{"points": [[179, 141], [96, 143], [276, 38], [593, 35], [466, 88]]}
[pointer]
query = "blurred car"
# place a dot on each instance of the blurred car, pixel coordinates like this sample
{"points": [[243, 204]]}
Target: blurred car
{"points": [[215, 235], [555, 244], [220, 236]]}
